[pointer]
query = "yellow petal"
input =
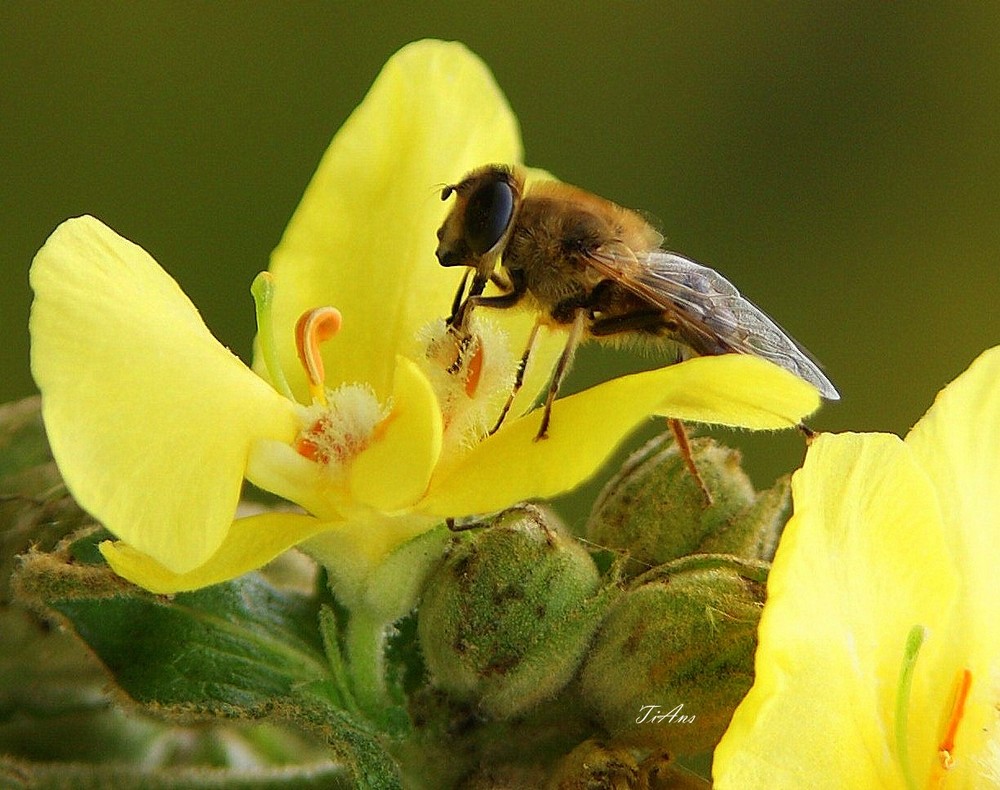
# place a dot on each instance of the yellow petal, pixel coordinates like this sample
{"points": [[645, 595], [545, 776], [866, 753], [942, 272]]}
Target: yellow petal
{"points": [[149, 417], [277, 467], [363, 237], [585, 428], [958, 444], [394, 471], [251, 543], [737, 390], [861, 562]]}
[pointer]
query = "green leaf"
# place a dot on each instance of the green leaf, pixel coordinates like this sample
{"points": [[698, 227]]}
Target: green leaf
{"points": [[53, 704], [323, 776], [234, 645], [244, 649]]}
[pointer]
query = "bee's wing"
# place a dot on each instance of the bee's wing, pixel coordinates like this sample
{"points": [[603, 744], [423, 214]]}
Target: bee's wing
{"points": [[712, 316]]}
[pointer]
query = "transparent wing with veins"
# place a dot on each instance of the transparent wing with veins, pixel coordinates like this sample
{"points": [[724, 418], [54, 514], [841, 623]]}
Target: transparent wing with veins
{"points": [[712, 316]]}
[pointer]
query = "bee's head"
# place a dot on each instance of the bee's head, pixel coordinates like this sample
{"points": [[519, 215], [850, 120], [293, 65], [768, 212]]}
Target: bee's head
{"points": [[476, 230]]}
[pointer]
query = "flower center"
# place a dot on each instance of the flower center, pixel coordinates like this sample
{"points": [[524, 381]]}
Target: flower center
{"points": [[339, 423], [342, 422], [341, 426], [471, 373]]}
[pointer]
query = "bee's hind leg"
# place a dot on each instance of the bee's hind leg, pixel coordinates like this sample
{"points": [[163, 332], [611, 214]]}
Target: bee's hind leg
{"points": [[684, 447]]}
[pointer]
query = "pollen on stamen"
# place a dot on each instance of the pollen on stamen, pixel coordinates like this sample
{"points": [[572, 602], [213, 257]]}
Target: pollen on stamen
{"points": [[475, 371], [471, 374], [334, 433]]}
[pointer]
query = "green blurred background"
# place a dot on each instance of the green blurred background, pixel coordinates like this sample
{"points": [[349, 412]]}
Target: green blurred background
{"points": [[838, 162]]}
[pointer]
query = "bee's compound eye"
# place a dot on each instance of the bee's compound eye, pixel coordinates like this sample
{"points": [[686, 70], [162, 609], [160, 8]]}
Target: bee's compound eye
{"points": [[487, 215]]}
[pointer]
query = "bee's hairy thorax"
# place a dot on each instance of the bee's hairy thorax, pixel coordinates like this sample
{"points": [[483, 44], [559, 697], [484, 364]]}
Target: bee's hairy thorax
{"points": [[552, 238]]}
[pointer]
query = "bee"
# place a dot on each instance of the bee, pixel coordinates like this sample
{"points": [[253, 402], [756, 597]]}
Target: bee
{"points": [[597, 270]]}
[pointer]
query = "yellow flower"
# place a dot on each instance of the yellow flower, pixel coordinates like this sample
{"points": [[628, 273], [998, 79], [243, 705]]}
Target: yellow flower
{"points": [[879, 655], [155, 425]]}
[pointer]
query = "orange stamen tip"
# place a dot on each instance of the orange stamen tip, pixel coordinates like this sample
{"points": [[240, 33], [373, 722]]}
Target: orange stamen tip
{"points": [[310, 450], [475, 371], [947, 746], [310, 444], [314, 327]]}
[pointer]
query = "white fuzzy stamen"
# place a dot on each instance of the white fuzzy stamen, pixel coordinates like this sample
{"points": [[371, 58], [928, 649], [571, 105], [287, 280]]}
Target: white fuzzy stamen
{"points": [[335, 433], [471, 376]]}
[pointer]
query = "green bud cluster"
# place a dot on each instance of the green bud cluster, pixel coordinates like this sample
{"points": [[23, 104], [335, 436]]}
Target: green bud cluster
{"points": [[506, 618], [655, 656]]}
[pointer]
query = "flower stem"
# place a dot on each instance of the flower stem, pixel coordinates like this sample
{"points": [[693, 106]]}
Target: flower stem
{"points": [[365, 648]]}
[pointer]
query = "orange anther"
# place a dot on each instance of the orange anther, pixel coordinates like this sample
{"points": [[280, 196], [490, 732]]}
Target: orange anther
{"points": [[947, 745], [314, 327], [475, 371], [308, 449]]}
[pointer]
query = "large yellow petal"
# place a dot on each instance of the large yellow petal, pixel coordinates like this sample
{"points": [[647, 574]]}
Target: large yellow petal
{"points": [[737, 390], [149, 417], [251, 543], [394, 471], [510, 466], [958, 444], [862, 561], [363, 237]]}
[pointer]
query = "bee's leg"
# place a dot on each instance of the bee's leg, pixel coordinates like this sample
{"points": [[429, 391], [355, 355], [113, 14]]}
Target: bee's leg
{"points": [[460, 312], [518, 287], [504, 284], [684, 447], [562, 368], [463, 337], [519, 379], [807, 432], [456, 303]]}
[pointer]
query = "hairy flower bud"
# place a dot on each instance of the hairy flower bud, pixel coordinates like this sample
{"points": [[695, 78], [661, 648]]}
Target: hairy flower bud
{"points": [[506, 618], [655, 510], [674, 655]]}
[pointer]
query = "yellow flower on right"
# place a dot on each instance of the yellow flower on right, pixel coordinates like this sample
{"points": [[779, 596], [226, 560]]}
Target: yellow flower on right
{"points": [[878, 664]]}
